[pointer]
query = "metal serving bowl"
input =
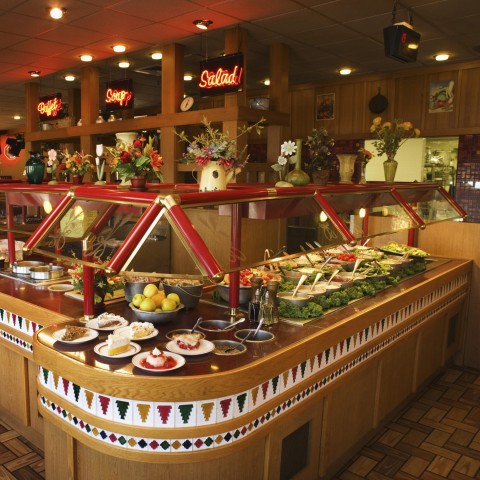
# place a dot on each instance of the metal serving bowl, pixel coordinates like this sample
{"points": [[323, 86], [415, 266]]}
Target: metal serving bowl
{"points": [[189, 294], [261, 336], [23, 268], [245, 293], [300, 299], [46, 272], [155, 317]]}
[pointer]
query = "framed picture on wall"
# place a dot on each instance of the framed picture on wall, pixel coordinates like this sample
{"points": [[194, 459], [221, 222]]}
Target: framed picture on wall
{"points": [[441, 96], [325, 106]]}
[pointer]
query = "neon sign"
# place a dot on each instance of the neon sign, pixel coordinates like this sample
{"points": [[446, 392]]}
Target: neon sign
{"points": [[119, 94], [221, 75], [51, 107]]}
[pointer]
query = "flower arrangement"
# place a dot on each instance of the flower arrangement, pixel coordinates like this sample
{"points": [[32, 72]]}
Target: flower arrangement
{"points": [[319, 144], [364, 155], [137, 159], [102, 284], [214, 145], [79, 163], [389, 136], [287, 152]]}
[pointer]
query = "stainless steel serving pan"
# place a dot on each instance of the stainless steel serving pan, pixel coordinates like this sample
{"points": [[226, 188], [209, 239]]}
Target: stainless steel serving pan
{"points": [[23, 268], [46, 272]]}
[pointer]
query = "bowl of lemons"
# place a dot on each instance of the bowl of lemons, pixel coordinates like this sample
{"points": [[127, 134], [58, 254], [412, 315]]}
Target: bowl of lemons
{"points": [[154, 305]]}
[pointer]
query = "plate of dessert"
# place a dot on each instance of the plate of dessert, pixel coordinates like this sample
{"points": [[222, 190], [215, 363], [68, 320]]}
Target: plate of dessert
{"points": [[107, 322], [138, 331], [190, 344], [117, 346], [74, 334], [158, 361]]}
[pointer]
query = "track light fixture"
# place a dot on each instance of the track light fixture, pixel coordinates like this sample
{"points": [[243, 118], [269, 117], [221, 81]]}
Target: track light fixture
{"points": [[202, 24], [34, 73], [56, 12]]}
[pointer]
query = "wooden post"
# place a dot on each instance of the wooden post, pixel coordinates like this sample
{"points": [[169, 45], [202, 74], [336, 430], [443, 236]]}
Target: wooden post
{"points": [[31, 123], [90, 104], [279, 99], [172, 94]]}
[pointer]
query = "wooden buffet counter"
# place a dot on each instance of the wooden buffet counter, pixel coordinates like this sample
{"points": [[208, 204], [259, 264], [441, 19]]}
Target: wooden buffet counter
{"points": [[295, 405]]}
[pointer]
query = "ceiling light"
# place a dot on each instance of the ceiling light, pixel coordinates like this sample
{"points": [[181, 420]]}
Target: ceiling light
{"points": [[57, 13], [188, 77], [441, 57], [156, 56], [86, 58], [345, 71], [124, 64], [202, 24], [266, 82], [119, 48], [34, 73], [17, 117], [69, 78]]}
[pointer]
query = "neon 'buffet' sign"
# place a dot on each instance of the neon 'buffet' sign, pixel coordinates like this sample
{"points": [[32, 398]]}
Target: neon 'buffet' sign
{"points": [[50, 107], [221, 75]]}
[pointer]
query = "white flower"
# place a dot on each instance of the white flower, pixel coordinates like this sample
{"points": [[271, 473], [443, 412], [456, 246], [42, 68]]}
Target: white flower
{"points": [[52, 154], [281, 160], [288, 148]]}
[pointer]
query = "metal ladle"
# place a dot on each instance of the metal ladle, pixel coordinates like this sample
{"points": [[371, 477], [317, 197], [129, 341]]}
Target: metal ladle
{"points": [[317, 278], [358, 261], [299, 284], [229, 327], [196, 325], [333, 274], [248, 335]]}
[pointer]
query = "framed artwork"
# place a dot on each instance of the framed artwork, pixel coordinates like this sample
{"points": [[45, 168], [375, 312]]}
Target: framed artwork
{"points": [[441, 96], [325, 106]]}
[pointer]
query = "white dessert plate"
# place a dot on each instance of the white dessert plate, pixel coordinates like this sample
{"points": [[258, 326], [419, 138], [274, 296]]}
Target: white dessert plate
{"points": [[90, 335], [61, 287], [204, 347], [125, 332], [93, 323], [137, 360], [102, 349]]}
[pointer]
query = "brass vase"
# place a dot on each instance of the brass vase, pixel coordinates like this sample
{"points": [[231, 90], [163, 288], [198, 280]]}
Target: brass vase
{"points": [[347, 164], [297, 177], [390, 167]]}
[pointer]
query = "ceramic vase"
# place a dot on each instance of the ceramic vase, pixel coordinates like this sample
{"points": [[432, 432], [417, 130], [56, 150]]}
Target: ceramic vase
{"points": [[297, 177], [390, 167], [212, 177], [138, 183], [126, 138], [347, 164], [34, 168], [363, 166], [77, 179]]}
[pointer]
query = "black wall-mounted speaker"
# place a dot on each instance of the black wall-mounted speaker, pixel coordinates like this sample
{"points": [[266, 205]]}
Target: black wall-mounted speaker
{"points": [[401, 43]]}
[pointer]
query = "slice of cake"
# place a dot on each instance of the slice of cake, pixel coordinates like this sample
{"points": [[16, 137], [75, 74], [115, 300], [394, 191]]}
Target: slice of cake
{"points": [[188, 341], [141, 329], [117, 344]]}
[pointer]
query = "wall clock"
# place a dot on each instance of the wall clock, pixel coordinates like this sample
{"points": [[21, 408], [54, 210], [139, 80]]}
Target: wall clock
{"points": [[187, 104]]}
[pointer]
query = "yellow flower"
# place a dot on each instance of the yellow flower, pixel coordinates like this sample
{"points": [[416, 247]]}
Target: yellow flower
{"points": [[377, 121]]}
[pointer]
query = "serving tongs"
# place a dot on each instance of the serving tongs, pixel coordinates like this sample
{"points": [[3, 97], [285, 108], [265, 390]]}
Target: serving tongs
{"points": [[306, 256]]}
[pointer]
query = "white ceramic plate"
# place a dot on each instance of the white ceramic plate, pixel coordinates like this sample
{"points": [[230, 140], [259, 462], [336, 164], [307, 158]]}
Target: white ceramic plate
{"points": [[102, 349], [90, 335], [137, 361], [205, 347], [93, 323], [125, 332], [61, 287]]}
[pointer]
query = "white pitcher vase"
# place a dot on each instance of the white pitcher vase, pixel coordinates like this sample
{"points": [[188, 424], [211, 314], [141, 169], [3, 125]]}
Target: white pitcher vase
{"points": [[213, 177]]}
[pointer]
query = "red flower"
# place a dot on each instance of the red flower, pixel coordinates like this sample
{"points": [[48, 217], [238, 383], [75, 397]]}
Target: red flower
{"points": [[125, 157], [137, 143], [62, 166], [156, 161]]}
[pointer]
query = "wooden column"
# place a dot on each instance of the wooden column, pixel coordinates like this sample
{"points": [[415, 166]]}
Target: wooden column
{"points": [[279, 99], [235, 42], [31, 124], [90, 104], [172, 94]]}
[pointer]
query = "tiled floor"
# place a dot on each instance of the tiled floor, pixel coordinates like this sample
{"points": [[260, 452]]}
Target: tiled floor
{"points": [[437, 436]]}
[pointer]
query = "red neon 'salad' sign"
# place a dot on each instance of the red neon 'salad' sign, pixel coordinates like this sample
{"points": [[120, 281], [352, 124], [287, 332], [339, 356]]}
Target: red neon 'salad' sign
{"points": [[119, 97], [51, 107], [221, 78]]}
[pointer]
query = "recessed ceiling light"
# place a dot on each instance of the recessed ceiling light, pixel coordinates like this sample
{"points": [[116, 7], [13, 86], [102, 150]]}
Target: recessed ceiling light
{"points": [[57, 13], [86, 58], [69, 78], [188, 77], [156, 56], [119, 48], [124, 64], [345, 71], [266, 82], [441, 57], [17, 117], [34, 73], [202, 24]]}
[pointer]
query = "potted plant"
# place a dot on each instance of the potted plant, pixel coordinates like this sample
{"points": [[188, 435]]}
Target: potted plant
{"points": [[319, 145], [76, 165], [135, 161]]}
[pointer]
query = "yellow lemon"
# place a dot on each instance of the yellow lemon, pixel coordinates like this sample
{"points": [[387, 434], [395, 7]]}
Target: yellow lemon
{"points": [[174, 297], [147, 305], [150, 290], [168, 304], [138, 299]]}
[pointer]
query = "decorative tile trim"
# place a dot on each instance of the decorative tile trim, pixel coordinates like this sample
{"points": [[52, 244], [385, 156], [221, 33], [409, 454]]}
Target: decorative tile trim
{"points": [[19, 323], [216, 411], [19, 342]]}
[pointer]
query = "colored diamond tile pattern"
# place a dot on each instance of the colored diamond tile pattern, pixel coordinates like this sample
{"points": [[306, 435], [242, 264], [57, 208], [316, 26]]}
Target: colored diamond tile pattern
{"points": [[20, 324], [216, 411]]}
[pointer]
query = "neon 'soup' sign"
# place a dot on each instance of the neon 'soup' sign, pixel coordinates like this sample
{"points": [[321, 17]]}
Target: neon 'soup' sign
{"points": [[51, 107], [119, 97], [221, 78]]}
